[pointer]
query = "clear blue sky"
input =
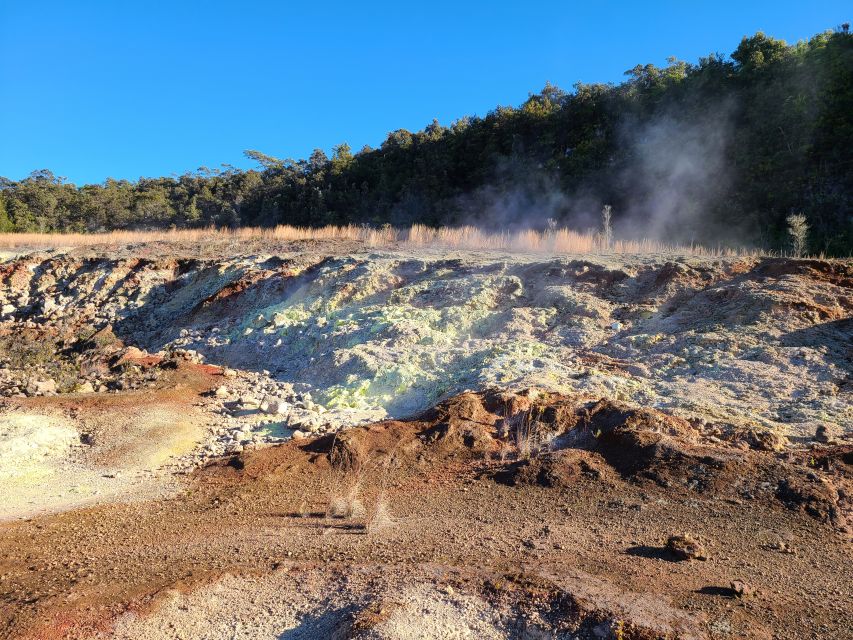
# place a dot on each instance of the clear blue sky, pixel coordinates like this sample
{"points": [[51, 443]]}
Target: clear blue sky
{"points": [[128, 89]]}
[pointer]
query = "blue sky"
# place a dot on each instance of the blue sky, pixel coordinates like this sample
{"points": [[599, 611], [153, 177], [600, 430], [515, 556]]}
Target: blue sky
{"points": [[95, 89]]}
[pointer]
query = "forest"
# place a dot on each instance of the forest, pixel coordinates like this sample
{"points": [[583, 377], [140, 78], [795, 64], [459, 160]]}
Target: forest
{"points": [[719, 151]]}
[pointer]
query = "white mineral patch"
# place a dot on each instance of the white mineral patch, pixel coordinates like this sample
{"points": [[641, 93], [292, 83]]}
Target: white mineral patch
{"points": [[30, 443]]}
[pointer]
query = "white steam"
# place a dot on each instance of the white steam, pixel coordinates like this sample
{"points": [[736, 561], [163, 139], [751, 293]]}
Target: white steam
{"points": [[665, 179]]}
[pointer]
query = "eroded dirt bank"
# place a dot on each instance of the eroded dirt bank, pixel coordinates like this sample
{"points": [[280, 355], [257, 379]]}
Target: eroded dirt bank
{"points": [[757, 343], [381, 520], [655, 447]]}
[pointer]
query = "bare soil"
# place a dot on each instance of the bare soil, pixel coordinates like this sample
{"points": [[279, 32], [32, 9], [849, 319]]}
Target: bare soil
{"points": [[681, 468], [575, 535]]}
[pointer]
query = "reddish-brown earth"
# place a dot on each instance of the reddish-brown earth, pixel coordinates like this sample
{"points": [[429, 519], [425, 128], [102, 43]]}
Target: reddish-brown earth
{"points": [[575, 533]]}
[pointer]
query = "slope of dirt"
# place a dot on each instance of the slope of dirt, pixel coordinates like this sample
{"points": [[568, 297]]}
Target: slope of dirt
{"points": [[67, 451], [737, 343], [321, 440], [420, 515]]}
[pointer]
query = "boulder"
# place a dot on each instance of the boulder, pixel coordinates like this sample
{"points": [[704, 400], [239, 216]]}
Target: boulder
{"points": [[42, 387], [742, 589], [277, 406], [685, 547], [249, 402]]}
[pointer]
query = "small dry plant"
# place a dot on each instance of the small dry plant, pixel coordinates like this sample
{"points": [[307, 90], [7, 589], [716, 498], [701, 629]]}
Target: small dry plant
{"points": [[346, 495], [522, 430], [347, 505], [345, 483], [380, 516], [504, 451], [523, 437], [798, 229], [302, 508], [606, 227]]}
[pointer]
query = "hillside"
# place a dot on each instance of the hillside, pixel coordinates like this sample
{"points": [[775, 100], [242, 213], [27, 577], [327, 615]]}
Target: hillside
{"points": [[325, 439], [717, 151]]}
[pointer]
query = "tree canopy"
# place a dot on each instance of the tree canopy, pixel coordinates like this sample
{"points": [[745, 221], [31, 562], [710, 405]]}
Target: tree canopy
{"points": [[724, 149]]}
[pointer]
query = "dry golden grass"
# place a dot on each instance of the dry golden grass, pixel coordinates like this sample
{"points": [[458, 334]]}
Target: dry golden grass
{"points": [[467, 237], [282, 232], [557, 241]]}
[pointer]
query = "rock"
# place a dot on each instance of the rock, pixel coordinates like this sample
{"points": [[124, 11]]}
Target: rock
{"points": [[277, 406], [821, 434], [607, 630], [129, 354], [48, 306], [7, 310], [299, 435], [229, 373], [85, 387], [305, 421], [783, 547], [249, 402], [42, 387], [741, 589], [762, 440], [221, 392], [685, 547]]}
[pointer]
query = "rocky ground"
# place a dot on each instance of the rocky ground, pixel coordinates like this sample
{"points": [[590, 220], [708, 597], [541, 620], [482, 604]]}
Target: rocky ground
{"points": [[551, 447]]}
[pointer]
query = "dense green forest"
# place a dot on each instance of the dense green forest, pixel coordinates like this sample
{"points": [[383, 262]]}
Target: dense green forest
{"points": [[720, 150]]}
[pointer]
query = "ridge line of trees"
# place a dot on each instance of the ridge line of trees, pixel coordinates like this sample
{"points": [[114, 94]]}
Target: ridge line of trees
{"points": [[787, 111]]}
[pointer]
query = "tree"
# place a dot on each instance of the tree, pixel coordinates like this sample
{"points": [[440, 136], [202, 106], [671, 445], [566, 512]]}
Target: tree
{"points": [[267, 162], [318, 160], [192, 217], [342, 152], [759, 50], [5, 221]]}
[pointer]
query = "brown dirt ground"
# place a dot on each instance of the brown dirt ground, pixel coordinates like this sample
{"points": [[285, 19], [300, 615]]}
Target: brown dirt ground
{"points": [[105, 418], [586, 521]]}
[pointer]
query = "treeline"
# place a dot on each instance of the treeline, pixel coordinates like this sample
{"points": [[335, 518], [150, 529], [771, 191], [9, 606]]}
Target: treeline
{"points": [[728, 147]]}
